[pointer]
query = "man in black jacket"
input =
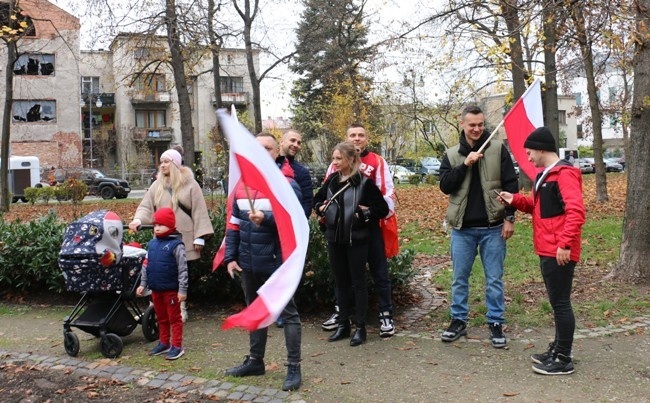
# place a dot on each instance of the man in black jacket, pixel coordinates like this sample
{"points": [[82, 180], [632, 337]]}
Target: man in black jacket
{"points": [[479, 222], [290, 145]]}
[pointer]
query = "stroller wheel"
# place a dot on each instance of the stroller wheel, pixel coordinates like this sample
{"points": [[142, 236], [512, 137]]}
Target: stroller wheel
{"points": [[150, 324], [111, 345], [71, 343]]}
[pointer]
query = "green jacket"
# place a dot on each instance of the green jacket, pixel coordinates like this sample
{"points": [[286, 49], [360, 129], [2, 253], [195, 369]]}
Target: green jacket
{"points": [[489, 168]]}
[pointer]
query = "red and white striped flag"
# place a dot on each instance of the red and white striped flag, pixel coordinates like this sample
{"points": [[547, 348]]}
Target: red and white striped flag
{"points": [[233, 179], [252, 164], [525, 116]]}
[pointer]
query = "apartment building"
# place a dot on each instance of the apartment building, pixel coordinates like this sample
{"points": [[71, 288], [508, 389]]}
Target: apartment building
{"points": [[45, 109], [115, 108]]}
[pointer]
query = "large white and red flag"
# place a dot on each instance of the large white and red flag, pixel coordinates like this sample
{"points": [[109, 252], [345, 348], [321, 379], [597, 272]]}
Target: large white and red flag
{"points": [[525, 116], [252, 164], [233, 179]]}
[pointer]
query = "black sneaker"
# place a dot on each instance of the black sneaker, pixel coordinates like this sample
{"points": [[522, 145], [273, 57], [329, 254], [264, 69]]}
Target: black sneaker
{"points": [[293, 379], [251, 366], [497, 337], [456, 329], [542, 357], [386, 327], [333, 321], [560, 365]]}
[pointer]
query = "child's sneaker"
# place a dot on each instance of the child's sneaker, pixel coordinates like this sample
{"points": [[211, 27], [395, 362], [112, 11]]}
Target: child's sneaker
{"points": [[159, 349], [175, 353]]}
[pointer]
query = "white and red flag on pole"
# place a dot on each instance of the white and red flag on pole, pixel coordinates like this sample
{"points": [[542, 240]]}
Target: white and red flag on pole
{"points": [[256, 169], [525, 116], [233, 179]]}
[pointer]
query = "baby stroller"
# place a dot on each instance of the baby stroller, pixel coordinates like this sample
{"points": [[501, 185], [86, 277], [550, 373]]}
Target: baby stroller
{"points": [[95, 263]]}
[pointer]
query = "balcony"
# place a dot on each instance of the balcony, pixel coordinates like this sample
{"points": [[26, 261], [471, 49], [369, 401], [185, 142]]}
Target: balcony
{"points": [[140, 97], [163, 134], [234, 98]]}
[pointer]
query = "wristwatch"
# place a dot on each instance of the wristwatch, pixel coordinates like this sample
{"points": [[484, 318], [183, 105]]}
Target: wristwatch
{"points": [[510, 218]]}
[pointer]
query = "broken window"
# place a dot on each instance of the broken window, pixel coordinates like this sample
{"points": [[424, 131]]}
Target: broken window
{"points": [[34, 111], [34, 64]]}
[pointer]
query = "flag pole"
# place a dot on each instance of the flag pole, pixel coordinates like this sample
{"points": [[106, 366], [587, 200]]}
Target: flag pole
{"points": [[250, 201], [496, 129]]}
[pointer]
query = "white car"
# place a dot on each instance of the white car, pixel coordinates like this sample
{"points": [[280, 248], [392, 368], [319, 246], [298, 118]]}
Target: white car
{"points": [[400, 174]]}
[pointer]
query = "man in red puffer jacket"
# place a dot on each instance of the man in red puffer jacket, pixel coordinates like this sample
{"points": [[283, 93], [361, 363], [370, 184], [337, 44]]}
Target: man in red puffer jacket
{"points": [[558, 215]]}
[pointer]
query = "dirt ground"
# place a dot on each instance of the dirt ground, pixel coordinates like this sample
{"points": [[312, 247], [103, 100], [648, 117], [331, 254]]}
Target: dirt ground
{"points": [[27, 383]]}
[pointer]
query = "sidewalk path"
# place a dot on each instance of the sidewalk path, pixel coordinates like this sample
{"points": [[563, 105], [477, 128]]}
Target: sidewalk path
{"points": [[612, 363]]}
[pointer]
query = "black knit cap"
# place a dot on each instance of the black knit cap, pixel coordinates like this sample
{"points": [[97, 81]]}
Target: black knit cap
{"points": [[541, 139]]}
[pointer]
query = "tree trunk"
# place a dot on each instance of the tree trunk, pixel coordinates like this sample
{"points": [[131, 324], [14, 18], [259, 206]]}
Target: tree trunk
{"points": [[248, 17], [12, 55], [215, 47], [551, 112], [635, 247], [178, 68], [517, 67], [584, 42]]}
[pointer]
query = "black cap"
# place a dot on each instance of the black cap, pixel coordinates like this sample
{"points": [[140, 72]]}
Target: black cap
{"points": [[541, 139]]}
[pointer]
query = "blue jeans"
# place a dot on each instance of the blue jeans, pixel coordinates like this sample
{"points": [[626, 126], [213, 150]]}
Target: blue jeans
{"points": [[492, 247]]}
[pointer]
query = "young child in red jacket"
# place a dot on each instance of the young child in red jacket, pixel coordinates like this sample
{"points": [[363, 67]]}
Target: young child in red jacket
{"points": [[558, 215]]}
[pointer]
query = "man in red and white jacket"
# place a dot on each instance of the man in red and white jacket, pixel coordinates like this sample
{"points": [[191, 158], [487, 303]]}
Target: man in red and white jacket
{"points": [[558, 215], [374, 167]]}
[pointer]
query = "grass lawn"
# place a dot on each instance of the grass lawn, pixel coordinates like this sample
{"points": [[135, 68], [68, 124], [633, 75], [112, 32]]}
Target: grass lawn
{"points": [[597, 301]]}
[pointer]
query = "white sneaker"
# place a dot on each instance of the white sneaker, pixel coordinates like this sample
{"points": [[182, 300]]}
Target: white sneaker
{"points": [[386, 327]]}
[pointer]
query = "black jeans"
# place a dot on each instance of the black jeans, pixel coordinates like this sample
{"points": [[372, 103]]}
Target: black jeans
{"points": [[349, 265], [559, 280], [250, 283]]}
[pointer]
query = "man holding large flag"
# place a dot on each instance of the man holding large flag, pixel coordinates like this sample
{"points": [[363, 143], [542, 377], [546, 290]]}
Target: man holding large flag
{"points": [[471, 172], [270, 270]]}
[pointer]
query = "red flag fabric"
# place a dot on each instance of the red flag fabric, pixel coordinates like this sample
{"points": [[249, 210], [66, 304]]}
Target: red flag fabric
{"points": [[256, 169], [233, 180], [525, 116]]}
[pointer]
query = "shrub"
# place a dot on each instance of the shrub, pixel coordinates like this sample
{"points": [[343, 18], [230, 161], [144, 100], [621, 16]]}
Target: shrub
{"points": [[47, 193], [31, 194], [28, 254], [76, 190], [430, 179], [61, 193], [415, 179]]}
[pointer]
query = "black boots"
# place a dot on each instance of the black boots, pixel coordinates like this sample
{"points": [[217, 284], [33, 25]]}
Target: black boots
{"points": [[359, 336], [293, 379], [342, 331]]}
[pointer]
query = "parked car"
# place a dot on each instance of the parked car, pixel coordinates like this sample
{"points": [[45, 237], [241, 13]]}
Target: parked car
{"points": [[406, 163], [586, 167], [400, 173], [612, 166], [620, 160], [429, 166], [98, 183]]}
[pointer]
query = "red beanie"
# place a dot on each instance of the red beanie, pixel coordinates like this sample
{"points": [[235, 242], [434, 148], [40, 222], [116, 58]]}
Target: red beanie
{"points": [[165, 216]]}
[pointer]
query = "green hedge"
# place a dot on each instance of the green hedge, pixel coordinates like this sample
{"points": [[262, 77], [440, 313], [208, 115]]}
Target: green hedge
{"points": [[29, 252]]}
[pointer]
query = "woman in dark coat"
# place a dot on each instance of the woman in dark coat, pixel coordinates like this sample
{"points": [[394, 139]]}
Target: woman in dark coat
{"points": [[351, 204]]}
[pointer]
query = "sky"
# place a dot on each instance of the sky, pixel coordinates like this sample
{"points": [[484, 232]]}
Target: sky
{"points": [[384, 16]]}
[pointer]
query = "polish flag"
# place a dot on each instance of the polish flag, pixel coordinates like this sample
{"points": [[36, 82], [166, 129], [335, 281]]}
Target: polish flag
{"points": [[525, 116], [258, 171], [233, 179]]}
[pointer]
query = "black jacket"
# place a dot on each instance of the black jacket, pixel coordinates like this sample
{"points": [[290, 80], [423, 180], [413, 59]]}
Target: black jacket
{"points": [[346, 222]]}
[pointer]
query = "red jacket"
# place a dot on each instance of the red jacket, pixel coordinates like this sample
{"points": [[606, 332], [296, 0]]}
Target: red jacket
{"points": [[558, 211]]}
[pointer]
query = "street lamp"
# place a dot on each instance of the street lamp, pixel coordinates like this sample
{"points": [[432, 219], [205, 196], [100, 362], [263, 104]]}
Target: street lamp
{"points": [[98, 103]]}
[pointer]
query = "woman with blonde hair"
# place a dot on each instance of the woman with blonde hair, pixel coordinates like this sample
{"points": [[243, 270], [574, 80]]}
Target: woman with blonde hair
{"points": [[351, 205], [176, 188]]}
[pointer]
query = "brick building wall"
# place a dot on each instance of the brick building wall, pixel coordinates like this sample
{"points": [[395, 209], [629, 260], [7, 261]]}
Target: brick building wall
{"points": [[63, 151]]}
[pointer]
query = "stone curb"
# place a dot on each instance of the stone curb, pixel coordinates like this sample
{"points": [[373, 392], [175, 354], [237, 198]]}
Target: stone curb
{"points": [[153, 379]]}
